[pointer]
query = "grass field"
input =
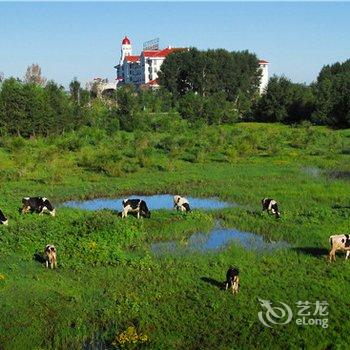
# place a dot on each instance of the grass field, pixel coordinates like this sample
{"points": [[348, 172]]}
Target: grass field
{"points": [[110, 291]]}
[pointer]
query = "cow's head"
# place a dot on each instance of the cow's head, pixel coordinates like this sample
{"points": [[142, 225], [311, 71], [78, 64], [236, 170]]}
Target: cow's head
{"points": [[25, 209], [3, 219], [146, 214], [187, 207]]}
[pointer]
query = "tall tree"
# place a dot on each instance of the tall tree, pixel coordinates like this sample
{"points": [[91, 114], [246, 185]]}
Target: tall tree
{"points": [[75, 90], [285, 101], [235, 74], [332, 89], [33, 75], [12, 105]]}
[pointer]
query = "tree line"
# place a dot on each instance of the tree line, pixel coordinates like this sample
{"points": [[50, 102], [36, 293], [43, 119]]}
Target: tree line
{"points": [[219, 86], [211, 87], [324, 102]]}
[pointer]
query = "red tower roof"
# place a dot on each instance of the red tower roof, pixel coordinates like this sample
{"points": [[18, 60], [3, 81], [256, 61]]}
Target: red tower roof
{"points": [[126, 41]]}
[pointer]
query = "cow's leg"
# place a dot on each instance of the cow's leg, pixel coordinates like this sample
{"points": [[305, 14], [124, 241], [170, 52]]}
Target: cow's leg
{"points": [[125, 212], [47, 263], [53, 212], [138, 214], [347, 254], [43, 210], [332, 255], [237, 284]]}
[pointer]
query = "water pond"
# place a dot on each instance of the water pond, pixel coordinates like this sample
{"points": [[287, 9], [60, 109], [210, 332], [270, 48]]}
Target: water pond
{"points": [[154, 202], [215, 240]]}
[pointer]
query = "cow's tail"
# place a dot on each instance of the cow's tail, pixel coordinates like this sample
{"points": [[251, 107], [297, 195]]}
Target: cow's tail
{"points": [[331, 240]]}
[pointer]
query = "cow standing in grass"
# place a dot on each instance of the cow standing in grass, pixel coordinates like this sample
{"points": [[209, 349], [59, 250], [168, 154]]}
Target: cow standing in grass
{"points": [[270, 205], [181, 203], [232, 279], [137, 206], [339, 242], [50, 254], [37, 205], [3, 219]]}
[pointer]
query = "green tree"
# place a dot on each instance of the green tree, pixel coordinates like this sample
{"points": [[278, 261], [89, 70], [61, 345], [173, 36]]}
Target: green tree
{"points": [[234, 74], [128, 107], [285, 101], [332, 89], [12, 106]]}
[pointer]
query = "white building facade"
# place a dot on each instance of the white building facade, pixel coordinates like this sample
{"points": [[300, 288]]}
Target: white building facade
{"points": [[143, 69], [140, 69], [264, 66]]}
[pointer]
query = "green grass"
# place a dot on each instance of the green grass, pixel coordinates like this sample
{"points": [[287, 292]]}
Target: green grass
{"points": [[108, 279]]}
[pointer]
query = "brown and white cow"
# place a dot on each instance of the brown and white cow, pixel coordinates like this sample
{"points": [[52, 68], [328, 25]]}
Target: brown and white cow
{"points": [[232, 279], [50, 254], [339, 242]]}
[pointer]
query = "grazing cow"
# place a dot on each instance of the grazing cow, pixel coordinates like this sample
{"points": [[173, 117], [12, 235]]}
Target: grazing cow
{"points": [[181, 203], [271, 206], [50, 256], [232, 279], [3, 219], [137, 206], [37, 205], [339, 242]]}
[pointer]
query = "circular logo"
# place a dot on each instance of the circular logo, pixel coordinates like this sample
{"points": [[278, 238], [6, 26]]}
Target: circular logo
{"points": [[274, 315]]}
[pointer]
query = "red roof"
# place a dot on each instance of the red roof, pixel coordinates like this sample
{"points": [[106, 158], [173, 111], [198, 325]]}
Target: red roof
{"points": [[153, 82], [160, 53], [263, 62], [126, 41], [132, 58]]}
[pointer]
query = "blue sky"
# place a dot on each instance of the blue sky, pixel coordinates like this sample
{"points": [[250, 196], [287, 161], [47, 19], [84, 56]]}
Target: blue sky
{"points": [[83, 39]]}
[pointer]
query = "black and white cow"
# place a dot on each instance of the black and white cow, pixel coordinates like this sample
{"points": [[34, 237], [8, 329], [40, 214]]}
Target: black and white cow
{"points": [[37, 205], [232, 279], [3, 219], [181, 203], [339, 242], [271, 206], [137, 206]]}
